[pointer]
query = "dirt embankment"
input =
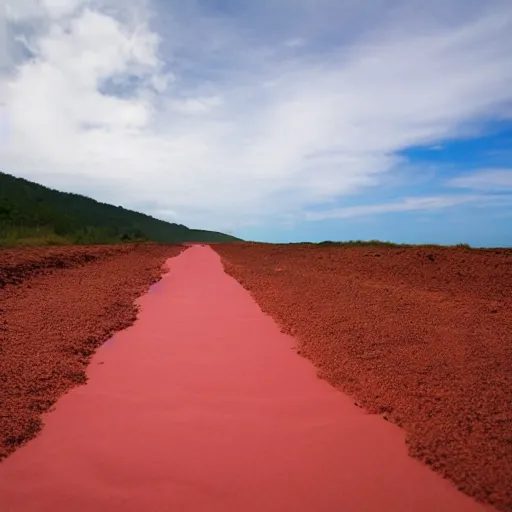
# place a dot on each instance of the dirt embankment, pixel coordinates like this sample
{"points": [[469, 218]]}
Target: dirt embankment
{"points": [[57, 305], [422, 336], [17, 265]]}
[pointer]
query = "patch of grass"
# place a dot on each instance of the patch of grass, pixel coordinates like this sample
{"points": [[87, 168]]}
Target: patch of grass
{"points": [[379, 243], [22, 236], [361, 243], [12, 236]]}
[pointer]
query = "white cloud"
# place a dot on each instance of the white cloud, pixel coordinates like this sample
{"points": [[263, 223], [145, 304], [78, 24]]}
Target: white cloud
{"points": [[195, 105], [485, 180], [60, 8], [26, 9], [409, 204], [21, 9], [295, 42], [185, 121]]}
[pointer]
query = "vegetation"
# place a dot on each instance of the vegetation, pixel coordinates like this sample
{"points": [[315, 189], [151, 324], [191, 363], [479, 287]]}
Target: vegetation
{"points": [[359, 243], [31, 214], [379, 243]]}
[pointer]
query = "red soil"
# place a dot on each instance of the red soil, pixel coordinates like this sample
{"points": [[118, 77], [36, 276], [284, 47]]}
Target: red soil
{"points": [[57, 305], [17, 265], [421, 335], [202, 406]]}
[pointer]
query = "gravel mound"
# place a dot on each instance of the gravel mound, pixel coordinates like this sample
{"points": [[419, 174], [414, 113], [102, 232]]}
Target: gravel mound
{"points": [[422, 336], [57, 305], [17, 265]]}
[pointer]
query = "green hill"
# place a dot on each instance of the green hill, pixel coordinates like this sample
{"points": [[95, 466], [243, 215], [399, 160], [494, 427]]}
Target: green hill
{"points": [[33, 214]]}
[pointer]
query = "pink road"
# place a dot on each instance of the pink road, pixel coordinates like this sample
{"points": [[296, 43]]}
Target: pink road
{"points": [[203, 405]]}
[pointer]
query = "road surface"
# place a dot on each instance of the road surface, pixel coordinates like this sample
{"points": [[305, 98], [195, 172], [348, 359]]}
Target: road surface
{"points": [[203, 405]]}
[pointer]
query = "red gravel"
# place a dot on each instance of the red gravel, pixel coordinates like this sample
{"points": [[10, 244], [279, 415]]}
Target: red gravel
{"points": [[422, 336], [57, 305], [17, 265]]}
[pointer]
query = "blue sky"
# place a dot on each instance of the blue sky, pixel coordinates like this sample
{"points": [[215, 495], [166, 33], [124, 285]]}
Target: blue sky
{"points": [[274, 120]]}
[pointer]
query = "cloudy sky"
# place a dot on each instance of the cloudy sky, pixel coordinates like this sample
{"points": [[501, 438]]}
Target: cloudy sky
{"points": [[276, 120]]}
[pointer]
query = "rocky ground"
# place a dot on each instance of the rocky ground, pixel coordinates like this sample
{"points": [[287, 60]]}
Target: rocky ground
{"points": [[420, 335]]}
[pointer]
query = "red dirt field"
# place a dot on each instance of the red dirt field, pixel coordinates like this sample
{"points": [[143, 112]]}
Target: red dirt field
{"points": [[19, 264], [421, 335], [202, 405], [57, 305]]}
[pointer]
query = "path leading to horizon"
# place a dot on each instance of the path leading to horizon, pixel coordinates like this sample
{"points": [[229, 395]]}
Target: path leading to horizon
{"points": [[203, 405]]}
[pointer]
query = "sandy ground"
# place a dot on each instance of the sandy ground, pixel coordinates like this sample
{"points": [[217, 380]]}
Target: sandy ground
{"points": [[422, 336], [203, 405], [57, 305]]}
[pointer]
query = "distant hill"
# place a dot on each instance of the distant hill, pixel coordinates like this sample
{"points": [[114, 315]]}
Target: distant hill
{"points": [[32, 213]]}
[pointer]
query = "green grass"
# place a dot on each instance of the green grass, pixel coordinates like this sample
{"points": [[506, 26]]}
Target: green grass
{"points": [[360, 243], [22, 236], [379, 243]]}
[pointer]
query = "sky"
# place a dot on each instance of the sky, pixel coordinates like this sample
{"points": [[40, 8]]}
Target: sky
{"points": [[274, 120]]}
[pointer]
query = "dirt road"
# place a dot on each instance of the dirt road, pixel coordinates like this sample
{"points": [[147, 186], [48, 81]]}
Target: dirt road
{"points": [[203, 405]]}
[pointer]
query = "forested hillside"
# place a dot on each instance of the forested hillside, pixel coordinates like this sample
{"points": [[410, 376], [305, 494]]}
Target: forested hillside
{"points": [[32, 213]]}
